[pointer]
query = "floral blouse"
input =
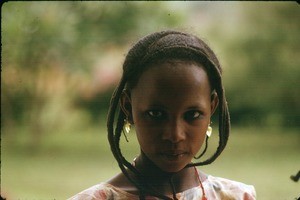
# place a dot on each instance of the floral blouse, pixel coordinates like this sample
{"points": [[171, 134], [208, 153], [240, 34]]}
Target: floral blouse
{"points": [[215, 189]]}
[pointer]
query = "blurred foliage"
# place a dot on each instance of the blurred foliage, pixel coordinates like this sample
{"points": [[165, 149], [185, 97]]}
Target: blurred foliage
{"points": [[61, 60], [264, 73], [50, 50]]}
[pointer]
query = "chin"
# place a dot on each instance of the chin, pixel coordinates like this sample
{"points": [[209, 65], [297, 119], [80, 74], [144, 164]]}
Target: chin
{"points": [[169, 164], [171, 168], [173, 164]]}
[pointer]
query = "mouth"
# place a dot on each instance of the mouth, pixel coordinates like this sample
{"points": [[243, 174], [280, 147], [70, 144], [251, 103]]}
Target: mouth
{"points": [[173, 155]]}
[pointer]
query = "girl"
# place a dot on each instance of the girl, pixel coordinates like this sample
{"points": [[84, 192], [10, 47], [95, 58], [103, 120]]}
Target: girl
{"points": [[171, 86]]}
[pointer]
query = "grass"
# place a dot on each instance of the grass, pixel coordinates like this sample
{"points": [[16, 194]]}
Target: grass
{"points": [[66, 163]]}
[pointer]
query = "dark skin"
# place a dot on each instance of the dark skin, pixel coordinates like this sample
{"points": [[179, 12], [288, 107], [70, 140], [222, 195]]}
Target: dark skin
{"points": [[182, 180], [170, 106]]}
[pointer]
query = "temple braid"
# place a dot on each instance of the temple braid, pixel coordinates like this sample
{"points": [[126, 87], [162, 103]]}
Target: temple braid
{"points": [[131, 67], [114, 139]]}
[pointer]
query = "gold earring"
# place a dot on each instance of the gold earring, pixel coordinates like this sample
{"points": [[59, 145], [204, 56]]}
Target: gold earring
{"points": [[127, 126], [209, 131]]}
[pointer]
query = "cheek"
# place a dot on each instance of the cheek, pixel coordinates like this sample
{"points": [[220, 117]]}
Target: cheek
{"points": [[196, 138], [146, 135], [145, 130]]}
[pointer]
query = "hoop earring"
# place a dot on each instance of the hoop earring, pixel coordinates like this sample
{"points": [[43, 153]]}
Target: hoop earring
{"points": [[126, 128]]}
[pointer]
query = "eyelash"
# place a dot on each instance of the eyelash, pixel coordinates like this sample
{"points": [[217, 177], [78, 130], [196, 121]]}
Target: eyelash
{"points": [[189, 115], [156, 114], [192, 115]]}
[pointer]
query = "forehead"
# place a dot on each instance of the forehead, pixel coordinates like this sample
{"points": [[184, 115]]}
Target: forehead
{"points": [[172, 80]]}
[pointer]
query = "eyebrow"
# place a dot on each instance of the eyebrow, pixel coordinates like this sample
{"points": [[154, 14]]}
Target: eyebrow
{"points": [[194, 107], [156, 105]]}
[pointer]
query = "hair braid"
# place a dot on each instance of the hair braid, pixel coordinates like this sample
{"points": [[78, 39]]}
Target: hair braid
{"points": [[157, 47], [224, 122], [114, 141]]}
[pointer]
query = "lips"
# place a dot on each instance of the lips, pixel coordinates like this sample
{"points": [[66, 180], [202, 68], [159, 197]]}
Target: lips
{"points": [[173, 155]]}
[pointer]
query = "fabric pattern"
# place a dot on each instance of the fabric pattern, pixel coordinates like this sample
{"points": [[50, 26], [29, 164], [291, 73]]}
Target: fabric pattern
{"points": [[215, 189]]}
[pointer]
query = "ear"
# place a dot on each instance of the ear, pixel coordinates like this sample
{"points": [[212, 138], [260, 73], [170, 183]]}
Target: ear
{"points": [[125, 104], [214, 102]]}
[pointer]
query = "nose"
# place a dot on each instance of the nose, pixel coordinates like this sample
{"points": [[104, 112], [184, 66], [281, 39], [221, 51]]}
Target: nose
{"points": [[174, 132]]}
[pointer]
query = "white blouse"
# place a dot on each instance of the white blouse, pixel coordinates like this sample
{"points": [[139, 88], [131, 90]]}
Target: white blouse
{"points": [[215, 188]]}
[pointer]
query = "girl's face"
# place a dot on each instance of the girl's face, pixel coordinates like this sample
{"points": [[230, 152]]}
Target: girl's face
{"points": [[171, 108]]}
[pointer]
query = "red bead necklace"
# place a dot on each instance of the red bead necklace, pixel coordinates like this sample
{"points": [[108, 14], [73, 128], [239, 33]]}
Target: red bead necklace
{"points": [[201, 186]]}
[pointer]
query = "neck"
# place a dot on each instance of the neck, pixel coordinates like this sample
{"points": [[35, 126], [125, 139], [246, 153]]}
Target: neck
{"points": [[164, 182]]}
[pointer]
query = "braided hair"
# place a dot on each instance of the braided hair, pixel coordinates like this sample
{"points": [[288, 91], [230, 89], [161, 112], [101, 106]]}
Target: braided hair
{"points": [[154, 48]]}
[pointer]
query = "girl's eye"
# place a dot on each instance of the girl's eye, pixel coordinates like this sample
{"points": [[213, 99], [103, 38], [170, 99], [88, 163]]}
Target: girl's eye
{"points": [[191, 115], [155, 114]]}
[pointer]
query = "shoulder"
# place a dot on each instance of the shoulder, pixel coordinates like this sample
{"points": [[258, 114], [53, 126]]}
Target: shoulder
{"points": [[221, 188], [99, 191], [102, 191]]}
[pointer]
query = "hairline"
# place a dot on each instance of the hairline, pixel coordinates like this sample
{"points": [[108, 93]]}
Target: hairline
{"points": [[171, 60]]}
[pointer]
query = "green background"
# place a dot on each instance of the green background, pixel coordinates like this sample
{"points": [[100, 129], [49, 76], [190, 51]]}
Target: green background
{"points": [[62, 60]]}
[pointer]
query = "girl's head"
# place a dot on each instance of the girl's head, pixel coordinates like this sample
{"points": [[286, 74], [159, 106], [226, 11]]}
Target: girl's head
{"points": [[170, 87], [170, 106]]}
